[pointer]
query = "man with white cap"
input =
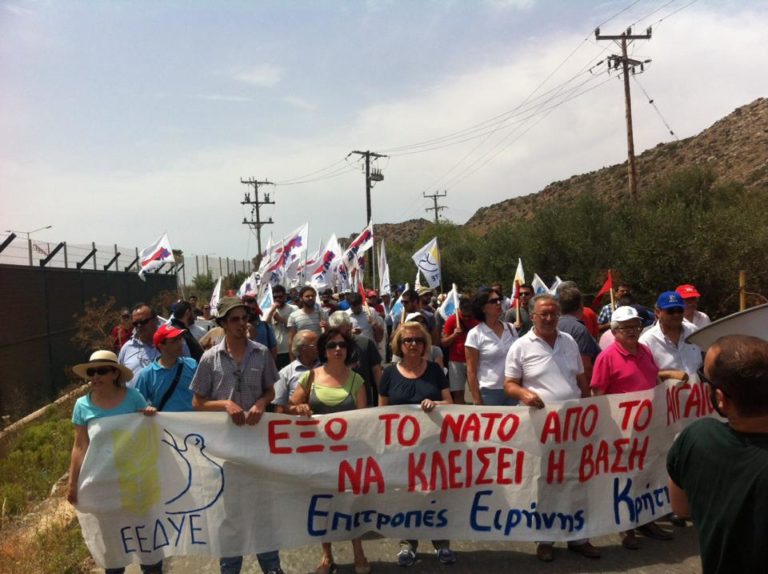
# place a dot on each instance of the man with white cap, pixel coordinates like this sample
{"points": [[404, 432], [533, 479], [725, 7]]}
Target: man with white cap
{"points": [[691, 297], [165, 382], [626, 366]]}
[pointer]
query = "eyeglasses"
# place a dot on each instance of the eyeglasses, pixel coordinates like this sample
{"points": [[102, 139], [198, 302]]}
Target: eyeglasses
{"points": [[142, 322], [705, 379], [548, 315], [526, 294], [331, 345], [635, 329], [673, 310], [414, 340], [494, 301], [238, 318], [99, 371]]}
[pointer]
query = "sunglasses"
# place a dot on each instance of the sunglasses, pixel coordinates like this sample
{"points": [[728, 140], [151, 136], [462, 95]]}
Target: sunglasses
{"points": [[526, 294], [414, 340], [493, 301], [99, 371], [705, 379], [330, 345], [238, 319], [673, 310], [142, 322]]}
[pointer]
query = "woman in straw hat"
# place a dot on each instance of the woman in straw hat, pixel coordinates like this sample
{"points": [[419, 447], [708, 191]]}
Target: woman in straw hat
{"points": [[108, 396]]}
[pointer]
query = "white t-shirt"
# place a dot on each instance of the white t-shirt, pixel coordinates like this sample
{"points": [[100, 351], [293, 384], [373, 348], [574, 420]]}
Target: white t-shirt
{"points": [[363, 322], [550, 372], [281, 329], [700, 319], [682, 357], [492, 352]]}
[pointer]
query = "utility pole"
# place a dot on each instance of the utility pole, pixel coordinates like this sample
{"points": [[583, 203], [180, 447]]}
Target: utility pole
{"points": [[436, 208], [370, 176], [255, 222], [626, 63]]}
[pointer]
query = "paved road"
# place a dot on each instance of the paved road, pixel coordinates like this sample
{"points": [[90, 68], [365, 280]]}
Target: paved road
{"points": [[680, 556]]}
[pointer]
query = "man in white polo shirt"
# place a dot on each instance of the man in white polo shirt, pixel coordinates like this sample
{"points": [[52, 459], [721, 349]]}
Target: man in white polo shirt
{"points": [[543, 366]]}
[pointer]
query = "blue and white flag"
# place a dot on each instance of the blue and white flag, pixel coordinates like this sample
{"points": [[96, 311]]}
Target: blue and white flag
{"points": [[397, 307], [539, 287], [267, 300], [451, 303], [248, 286], [555, 285], [155, 256]]}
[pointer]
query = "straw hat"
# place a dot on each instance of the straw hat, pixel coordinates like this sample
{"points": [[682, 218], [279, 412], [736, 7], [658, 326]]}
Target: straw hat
{"points": [[103, 359]]}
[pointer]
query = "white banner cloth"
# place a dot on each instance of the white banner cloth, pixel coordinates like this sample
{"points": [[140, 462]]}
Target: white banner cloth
{"points": [[194, 483]]}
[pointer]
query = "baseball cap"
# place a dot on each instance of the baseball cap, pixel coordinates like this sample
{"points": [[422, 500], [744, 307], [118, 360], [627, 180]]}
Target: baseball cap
{"points": [[670, 300], [624, 313], [371, 293], [166, 332], [687, 291]]}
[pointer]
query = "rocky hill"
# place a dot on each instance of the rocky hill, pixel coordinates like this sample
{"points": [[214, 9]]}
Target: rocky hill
{"points": [[734, 147]]}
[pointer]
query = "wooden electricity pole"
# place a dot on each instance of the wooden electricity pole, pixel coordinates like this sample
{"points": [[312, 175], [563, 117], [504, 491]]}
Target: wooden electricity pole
{"points": [[626, 64], [256, 222], [437, 208]]}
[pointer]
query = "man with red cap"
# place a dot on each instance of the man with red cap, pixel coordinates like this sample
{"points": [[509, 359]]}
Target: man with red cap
{"points": [[165, 381], [691, 297]]}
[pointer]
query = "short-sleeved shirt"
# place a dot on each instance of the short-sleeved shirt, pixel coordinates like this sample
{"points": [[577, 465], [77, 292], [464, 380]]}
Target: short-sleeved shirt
{"points": [[264, 334], [154, 381], [619, 371], [218, 377], [365, 356], [724, 474], [281, 329], [288, 381], [300, 320], [361, 321], [492, 351], [682, 357], [85, 411], [404, 391], [578, 330], [333, 396], [456, 352], [550, 372], [136, 355]]}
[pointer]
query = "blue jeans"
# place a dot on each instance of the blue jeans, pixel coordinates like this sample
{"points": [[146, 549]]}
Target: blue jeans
{"points": [[267, 560], [145, 569], [497, 398]]}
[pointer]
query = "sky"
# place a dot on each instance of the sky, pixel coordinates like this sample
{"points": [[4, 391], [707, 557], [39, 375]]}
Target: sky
{"points": [[120, 120]]}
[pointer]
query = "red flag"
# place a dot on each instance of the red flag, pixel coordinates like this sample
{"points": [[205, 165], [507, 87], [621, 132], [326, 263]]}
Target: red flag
{"points": [[607, 287]]}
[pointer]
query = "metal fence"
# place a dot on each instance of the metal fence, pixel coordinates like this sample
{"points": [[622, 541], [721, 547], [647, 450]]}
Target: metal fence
{"points": [[39, 308], [16, 250]]}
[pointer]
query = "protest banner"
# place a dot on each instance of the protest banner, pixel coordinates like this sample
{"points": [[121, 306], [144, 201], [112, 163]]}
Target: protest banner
{"points": [[194, 483]]}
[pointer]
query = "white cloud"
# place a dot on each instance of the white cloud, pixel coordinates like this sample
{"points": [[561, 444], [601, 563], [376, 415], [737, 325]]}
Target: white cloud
{"points": [[266, 75], [300, 103], [220, 98]]}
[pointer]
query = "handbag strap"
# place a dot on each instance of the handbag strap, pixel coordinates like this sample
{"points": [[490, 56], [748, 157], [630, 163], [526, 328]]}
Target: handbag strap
{"points": [[172, 388]]}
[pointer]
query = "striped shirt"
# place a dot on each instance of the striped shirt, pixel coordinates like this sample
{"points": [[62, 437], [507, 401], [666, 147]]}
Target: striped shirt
{"points": [[219, 377]]}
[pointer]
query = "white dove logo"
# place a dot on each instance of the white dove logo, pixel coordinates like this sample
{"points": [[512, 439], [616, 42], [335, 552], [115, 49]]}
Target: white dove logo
{"points": [[204, 485]]}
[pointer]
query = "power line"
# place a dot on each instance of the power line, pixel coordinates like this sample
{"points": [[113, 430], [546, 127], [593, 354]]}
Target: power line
{"points": [[256, 223], [651, 101], [437, 208]]}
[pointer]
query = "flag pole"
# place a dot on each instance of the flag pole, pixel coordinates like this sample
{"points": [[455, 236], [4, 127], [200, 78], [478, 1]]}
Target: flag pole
{"points": [[517, 302], [613, 301]]}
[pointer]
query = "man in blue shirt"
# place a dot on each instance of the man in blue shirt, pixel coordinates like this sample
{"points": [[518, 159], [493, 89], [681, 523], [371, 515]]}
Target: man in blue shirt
{"points": [[156, 379]]}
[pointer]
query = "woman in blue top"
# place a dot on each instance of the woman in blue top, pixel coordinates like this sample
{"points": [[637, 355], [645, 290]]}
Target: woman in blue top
{"points": [[108, 396]]}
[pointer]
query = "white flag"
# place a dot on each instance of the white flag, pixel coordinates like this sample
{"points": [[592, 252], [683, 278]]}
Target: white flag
{"points": [[417, 282], [384, 284], [321, 274], [427, 259], [519, 280], [248, 285], [538, 285], [555, 285], [155, 255], [360, 245], [215, 296]]}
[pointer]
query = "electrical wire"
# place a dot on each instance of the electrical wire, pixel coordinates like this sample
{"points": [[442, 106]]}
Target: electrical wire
{"points": [[658, 112]]}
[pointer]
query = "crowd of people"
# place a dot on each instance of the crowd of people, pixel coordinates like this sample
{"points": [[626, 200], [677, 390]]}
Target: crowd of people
{"points": [[304, 357]]}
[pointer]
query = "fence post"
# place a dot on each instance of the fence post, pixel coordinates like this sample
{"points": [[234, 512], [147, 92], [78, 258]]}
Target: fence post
{"points": [[66, 258], [93, 244], [117, 256], [29, 244]]}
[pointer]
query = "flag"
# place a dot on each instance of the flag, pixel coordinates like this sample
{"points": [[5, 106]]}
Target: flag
{"points": [[397, 306], [451, 303], [155, 255], [427, 260], [215, 296], [384, 284], [360, 245], [539, 286], [555, 285], [248, 285], [417, 282], [606, 288], [266, 300], [519, 279], [321, 273]]}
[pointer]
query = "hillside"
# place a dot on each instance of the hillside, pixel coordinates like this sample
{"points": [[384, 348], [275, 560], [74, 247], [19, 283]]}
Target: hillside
{"points": [[734, 147]]}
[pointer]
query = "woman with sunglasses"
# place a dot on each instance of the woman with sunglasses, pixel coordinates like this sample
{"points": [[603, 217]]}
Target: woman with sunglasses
{"points": [[332, 387], [415, 381], [107, 396], [486, 351]]}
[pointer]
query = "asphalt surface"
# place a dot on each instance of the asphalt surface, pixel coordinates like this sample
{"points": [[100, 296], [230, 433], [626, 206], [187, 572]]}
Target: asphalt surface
{"points": [[679, 556]]}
